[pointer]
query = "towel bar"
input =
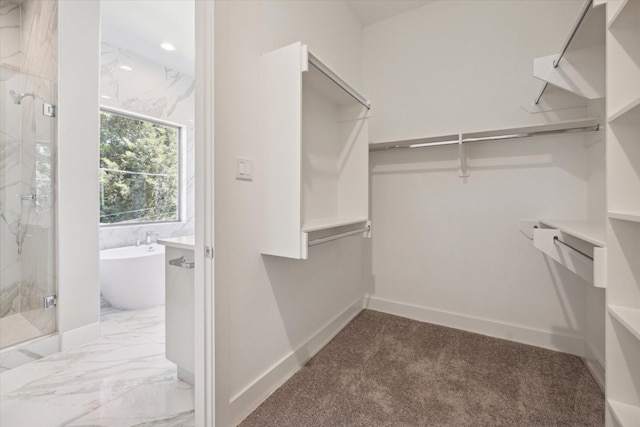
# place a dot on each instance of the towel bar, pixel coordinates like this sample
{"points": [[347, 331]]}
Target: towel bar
{"points": [[181, 262]]}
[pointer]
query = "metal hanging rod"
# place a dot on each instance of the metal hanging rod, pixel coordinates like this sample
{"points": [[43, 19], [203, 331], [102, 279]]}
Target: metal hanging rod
{"points": [[517, 133], [541, 93], [583, 12], [557, 241], [337, 80], [339, 236]]}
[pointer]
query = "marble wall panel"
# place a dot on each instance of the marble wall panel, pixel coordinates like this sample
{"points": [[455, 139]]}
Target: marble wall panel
{"points": [[10, 52], [39, 39], [152, 90], [10, 183]]}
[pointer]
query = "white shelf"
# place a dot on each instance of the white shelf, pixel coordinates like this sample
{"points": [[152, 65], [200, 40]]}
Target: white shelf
{"points": [[614, 19], [326, 223], [625, 415], [315, 137], [632, 109], [625, 216], [588, 231], [628, 317]]}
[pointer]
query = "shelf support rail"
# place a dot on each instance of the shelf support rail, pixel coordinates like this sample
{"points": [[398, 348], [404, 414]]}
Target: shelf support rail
{"points": [[557, 241], [337, 80], [583, 12], [498, 137], [339, 236]]}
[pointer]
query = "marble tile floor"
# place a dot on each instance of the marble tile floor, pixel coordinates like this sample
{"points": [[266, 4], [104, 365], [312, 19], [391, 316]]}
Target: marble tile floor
{"points": [[120, 379]]}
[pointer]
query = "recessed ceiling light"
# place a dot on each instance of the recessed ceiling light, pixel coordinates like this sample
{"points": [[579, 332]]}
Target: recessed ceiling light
{"points": [[126, 68], [167, 46], [106, 97]]}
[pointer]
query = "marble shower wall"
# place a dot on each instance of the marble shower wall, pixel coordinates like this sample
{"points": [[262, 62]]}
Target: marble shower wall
{"points": [[10, 49], [154, 90], [39, 39], [10, 221], [28, 37], [28, 65]]}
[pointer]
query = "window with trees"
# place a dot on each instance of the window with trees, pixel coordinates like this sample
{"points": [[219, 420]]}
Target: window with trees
{"points": [[139, 169]]}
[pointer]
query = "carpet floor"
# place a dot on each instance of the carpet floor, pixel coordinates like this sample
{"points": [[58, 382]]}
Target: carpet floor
{"points": [[384, 370]]}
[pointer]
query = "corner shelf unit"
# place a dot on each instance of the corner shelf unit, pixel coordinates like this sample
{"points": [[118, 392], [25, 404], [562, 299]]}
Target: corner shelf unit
{"points": [[623, 204], [315, 134]]}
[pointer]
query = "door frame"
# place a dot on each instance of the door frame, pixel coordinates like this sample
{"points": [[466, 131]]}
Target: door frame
{"points": [[204, 321]]}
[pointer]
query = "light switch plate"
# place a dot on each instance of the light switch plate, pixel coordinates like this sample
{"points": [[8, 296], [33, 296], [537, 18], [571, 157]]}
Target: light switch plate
{"points": [[244, 168]]}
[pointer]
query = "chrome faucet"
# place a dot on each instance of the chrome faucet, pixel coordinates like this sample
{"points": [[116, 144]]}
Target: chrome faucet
{"points": [[150, 236]]}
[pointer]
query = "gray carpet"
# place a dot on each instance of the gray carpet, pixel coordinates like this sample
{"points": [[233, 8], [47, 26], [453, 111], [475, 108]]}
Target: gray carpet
{"points": [[384, 370]]}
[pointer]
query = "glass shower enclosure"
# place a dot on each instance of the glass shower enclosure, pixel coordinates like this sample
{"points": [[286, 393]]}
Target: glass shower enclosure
{"points": [[27, 220]]}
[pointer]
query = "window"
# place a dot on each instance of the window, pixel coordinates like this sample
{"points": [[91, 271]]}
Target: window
{"points": [[139, 170]]}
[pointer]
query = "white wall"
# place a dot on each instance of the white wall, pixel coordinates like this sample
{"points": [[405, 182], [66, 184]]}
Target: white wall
{"points": [[269, 310], [446, 249], [78, 126], [152, 90]]}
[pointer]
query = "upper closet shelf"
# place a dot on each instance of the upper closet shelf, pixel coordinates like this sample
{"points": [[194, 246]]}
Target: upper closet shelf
{"points": [[579, 68], [569, 126], [583, 230], [325, 81]]}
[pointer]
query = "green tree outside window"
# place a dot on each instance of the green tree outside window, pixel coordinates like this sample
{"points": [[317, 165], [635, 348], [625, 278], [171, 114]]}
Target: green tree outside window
{"points": [[138, 170]]}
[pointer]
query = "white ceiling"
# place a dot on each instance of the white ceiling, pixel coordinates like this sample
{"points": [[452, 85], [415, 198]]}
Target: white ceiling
{"points": [[372, 11], [141, 25]]}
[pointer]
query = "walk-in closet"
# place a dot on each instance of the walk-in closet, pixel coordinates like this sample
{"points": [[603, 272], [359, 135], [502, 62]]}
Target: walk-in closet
{"points": [[501, 141]]}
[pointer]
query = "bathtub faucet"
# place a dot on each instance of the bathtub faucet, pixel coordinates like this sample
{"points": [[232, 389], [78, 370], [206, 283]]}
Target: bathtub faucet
{"points": [[150, 236]]}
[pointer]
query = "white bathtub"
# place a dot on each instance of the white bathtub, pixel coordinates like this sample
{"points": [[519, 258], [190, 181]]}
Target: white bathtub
{"points": [[133, 277]]}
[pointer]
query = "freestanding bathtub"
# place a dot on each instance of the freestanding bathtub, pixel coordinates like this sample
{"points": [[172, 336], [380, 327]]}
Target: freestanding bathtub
{"points": [[132, 277]]}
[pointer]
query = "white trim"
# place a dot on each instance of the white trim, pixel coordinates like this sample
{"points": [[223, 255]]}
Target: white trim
{"points": [[544, 339], [205, 398], [247, 400], [133, 115], [79, 336], [595, 364]]}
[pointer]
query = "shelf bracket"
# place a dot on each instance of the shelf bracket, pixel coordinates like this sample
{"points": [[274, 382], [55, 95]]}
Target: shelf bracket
{"points": [[463, 168]]}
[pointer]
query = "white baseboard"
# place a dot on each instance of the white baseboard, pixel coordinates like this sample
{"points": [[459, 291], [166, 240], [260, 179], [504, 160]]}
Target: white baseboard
{"points": [[557, 342], [247, 400], [79, 336], [595, 363]]}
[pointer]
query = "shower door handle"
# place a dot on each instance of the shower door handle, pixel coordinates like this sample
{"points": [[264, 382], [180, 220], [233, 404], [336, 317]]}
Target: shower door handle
{"points": [[181, 262], [28, 197]]}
